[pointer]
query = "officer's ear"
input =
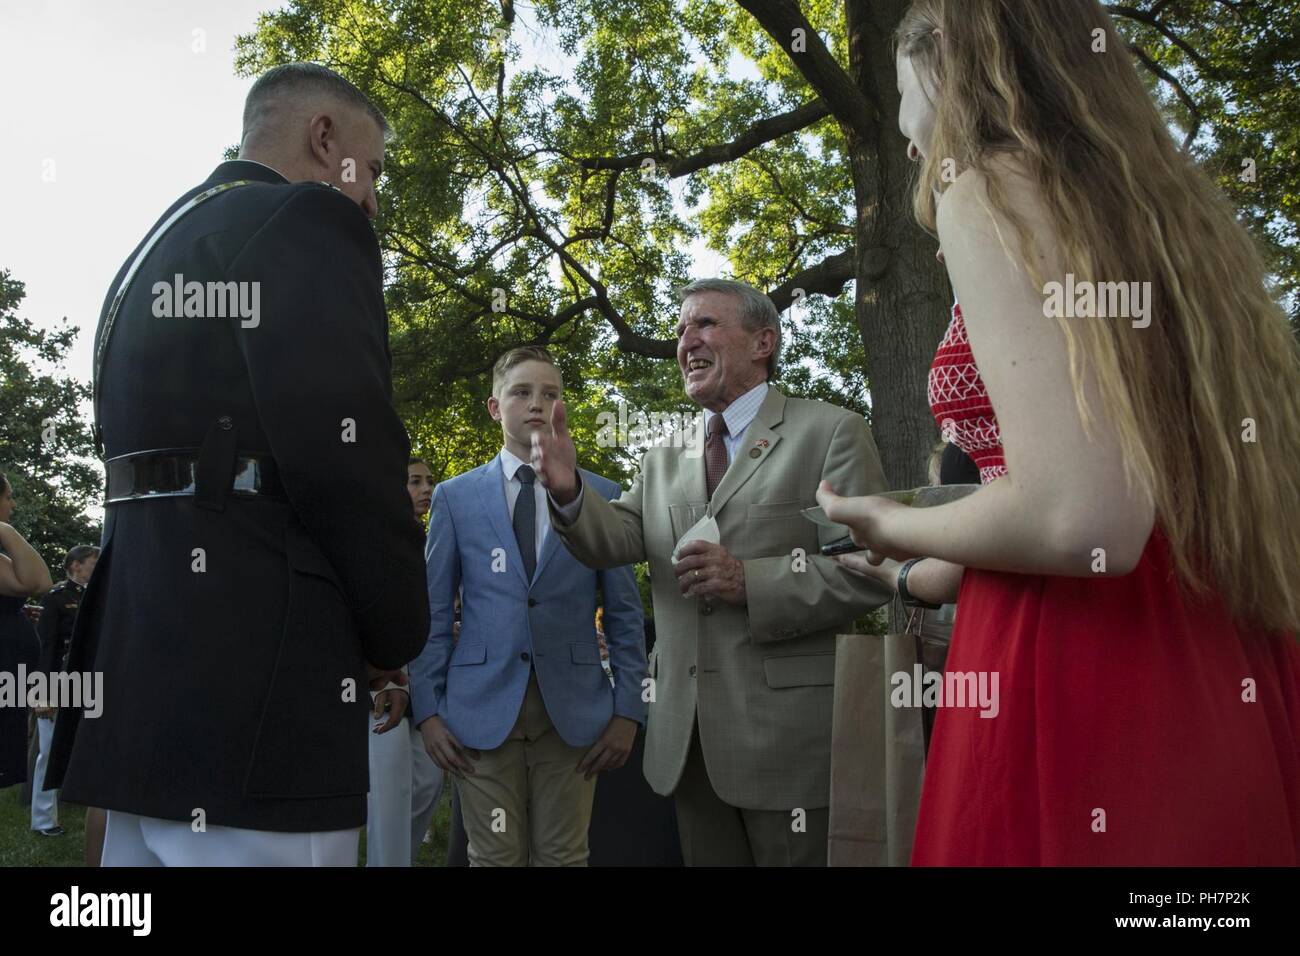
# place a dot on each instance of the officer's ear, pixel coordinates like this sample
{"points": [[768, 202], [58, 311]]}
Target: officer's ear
{"points": [[323, 138]]}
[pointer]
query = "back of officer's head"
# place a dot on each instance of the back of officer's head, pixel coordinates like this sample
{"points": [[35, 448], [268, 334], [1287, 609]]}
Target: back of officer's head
{"points": [[310, 124]]}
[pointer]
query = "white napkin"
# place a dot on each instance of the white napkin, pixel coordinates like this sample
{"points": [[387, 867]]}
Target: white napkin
{"points": [[706, 529]]}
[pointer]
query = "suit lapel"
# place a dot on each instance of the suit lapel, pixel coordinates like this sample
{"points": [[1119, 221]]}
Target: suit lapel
{"points": [[552, 542], [691, 483], [759, 437], [492, 492]]}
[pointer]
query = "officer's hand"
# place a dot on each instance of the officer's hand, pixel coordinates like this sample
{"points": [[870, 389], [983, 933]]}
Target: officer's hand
{"points": [[381, 679], [395, 702], [444, 749], [554, 459]]}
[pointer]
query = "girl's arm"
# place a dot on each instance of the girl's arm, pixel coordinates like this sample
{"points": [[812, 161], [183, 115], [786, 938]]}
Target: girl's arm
{"points": [[930, 580], [1065, 499], [23, 572]]}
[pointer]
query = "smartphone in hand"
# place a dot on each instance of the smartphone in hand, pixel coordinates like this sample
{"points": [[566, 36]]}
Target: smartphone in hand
{"points": [[842, 546]]}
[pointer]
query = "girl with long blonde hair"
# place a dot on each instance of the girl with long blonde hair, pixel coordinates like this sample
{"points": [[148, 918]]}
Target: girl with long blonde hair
{"points": [[1131, 394]]}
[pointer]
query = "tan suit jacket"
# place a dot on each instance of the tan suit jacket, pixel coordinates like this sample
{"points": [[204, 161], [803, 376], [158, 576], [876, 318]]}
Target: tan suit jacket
{"points": [[759, 678]]}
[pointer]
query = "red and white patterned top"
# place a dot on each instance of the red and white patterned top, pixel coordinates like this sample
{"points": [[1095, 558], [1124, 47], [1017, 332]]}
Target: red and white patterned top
{"points": [[961, 405]]}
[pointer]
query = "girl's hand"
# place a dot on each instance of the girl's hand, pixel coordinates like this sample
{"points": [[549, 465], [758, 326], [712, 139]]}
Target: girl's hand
{"points": [[866, 518], [870, 565]]}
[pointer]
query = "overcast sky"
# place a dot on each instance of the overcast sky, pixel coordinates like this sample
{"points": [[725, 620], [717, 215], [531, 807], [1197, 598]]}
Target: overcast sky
{"points": [[110, 113], [112, 109]]}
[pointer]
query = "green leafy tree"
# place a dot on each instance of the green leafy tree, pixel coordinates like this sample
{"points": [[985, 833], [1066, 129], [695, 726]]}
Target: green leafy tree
{"points": [[557, 174], [44, 443]]}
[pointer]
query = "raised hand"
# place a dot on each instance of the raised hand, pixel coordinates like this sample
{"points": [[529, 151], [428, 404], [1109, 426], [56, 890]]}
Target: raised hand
{"points": [[554, 459]]}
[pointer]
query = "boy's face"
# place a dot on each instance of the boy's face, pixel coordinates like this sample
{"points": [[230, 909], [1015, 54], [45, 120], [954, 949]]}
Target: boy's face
{"points": [[525, 399], [419, 485]]}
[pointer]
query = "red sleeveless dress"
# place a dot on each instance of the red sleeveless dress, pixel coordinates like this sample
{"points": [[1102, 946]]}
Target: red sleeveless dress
{"points": [[1135, 725]]}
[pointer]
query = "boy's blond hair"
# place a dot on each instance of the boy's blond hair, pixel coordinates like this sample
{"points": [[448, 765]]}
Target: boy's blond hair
{"points": [[518, 356]]}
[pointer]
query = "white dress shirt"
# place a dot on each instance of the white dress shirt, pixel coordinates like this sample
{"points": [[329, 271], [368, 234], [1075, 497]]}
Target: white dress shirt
{"points": [[738, 415], [510, 463]]}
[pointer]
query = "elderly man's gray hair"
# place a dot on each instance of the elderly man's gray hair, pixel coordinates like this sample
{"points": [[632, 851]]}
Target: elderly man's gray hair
{"points": [[757, 311], [296, 78]]}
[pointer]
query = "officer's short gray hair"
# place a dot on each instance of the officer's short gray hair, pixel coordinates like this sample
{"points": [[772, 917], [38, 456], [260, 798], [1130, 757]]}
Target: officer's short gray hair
{"points": [[757, 311], [295, 78]]}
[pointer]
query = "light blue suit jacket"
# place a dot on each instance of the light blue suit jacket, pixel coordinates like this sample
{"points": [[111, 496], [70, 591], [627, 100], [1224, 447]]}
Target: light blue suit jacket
{"points": [[477, 684]]}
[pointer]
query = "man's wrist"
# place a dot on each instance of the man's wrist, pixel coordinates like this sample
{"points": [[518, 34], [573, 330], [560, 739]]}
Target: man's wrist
{"points": [[566, 496]]}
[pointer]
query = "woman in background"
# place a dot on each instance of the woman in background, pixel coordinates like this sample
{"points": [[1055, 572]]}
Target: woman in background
{"points": [[1130, 559], [23, 575]]}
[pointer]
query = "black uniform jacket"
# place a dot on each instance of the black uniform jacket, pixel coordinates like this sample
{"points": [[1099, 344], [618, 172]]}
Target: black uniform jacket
{"points": [[232, 633], [58, 613]]}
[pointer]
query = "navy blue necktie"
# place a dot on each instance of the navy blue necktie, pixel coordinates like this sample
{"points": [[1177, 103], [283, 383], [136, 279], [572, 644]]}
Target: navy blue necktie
{"points": [[525, 521]]}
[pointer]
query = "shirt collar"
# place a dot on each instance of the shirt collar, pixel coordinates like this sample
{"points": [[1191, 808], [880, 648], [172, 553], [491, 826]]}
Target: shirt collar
{"points": [[510, 463], [741, 412], [248, 169]]}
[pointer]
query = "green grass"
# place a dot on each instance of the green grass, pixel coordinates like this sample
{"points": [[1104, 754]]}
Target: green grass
{"points": [[19, 846]]}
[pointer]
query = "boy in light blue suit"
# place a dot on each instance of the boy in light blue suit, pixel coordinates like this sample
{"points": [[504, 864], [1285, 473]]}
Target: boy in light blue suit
{"points": [[519, 709]]}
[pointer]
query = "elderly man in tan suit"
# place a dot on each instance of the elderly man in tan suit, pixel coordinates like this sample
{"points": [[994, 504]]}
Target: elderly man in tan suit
{"points": [[739, 728]]}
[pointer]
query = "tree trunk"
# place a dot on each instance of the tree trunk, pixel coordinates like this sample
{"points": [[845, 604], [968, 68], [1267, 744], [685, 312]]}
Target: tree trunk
{"points": [[903, 297]]}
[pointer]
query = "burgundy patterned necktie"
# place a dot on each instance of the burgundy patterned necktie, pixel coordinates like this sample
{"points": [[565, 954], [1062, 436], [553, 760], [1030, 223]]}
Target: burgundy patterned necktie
{"points": [[715, 453]]}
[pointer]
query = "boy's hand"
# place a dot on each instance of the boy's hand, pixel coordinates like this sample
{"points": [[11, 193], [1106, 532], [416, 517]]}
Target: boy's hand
{"points": [[611, 751], [444, 749]]}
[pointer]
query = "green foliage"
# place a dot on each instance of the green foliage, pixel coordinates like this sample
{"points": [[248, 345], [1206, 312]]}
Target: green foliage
{"points": [[539, 155], [1239, 65], [44, 442], [488, 191]]}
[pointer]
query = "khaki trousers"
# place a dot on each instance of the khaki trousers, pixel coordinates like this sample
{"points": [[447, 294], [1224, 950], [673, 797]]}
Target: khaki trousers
{"points": [[526, 804], [714, 833]]}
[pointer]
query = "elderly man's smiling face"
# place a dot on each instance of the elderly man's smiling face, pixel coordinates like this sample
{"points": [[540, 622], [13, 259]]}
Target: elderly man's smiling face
{"points": [[719, 358]]}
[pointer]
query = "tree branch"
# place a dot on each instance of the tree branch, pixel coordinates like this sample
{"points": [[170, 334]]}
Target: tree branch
{"points": [[1179, 90], [847, 102], [763, 131], [828, 277], [830, 227], [1149, 18]]}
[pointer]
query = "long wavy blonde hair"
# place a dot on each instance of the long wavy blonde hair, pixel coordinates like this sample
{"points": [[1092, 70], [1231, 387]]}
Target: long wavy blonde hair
{"points": [[1218, 364]]}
